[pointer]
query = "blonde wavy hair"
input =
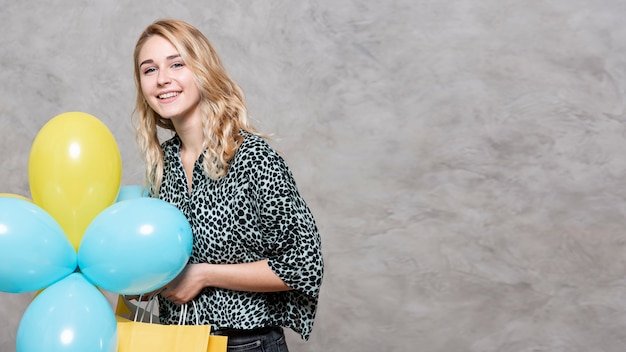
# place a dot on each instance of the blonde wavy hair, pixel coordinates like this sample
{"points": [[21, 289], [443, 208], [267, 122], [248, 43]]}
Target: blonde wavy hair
{"points": [[222, 103]]}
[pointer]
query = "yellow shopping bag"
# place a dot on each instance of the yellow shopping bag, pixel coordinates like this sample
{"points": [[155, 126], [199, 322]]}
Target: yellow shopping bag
{"points": [[217, 344], [122, 307], [137, 336]]}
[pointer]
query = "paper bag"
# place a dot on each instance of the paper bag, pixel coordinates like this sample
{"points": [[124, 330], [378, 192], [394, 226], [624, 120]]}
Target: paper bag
{"points": [[145, 337], [138, 336]]}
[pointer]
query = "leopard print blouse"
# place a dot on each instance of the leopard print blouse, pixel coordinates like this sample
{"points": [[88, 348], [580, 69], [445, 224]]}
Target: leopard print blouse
{"points": [[254, 212]]}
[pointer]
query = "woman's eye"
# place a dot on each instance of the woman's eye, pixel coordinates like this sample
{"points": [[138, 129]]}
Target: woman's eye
{"points": [[178, 65], [149, 70]]}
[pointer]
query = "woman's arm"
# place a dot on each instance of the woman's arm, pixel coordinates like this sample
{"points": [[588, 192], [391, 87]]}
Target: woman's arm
{"points": [[256, 277]]}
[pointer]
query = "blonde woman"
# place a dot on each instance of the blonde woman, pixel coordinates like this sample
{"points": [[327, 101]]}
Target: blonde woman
{"points": [[256, 264]]}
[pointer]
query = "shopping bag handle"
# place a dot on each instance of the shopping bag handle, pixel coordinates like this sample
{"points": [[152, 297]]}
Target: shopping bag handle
{"points": [[150, 308], [183, 313]]}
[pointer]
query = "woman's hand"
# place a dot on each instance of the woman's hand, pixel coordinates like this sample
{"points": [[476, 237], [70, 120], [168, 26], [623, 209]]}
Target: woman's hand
{"points": [[187, 284]]}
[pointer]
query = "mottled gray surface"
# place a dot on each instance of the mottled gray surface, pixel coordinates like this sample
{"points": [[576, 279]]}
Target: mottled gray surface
{"points": [[464, 159]]}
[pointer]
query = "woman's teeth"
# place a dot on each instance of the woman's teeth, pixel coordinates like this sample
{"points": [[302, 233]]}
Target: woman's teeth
{"points": [[168, 95]]}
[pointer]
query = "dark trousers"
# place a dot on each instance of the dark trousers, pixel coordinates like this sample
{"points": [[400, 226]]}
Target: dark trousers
{"points": [[258, 340]]}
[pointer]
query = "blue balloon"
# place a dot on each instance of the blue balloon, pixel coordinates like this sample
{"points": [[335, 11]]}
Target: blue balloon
{"points": [[135, 246], [34, 251], [131, 192], [72, 315]]}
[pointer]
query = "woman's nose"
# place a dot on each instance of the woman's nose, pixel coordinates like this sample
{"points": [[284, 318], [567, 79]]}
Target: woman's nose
{"points": [[163, 78]]}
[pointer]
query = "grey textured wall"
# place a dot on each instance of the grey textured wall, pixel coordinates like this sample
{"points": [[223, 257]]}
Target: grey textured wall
{"points": [[464, 158]]}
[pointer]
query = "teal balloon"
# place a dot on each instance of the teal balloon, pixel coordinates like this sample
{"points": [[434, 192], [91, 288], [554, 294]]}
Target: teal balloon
{"points": [[131, 192], [135, 246], [34, 251], [72, 315]]}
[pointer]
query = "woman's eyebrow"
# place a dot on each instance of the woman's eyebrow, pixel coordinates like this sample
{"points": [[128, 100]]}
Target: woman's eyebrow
{"points": [[150, 61]]}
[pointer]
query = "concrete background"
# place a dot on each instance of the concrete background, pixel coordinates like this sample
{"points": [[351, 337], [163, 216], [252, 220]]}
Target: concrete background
{"points": [[464, 159]]}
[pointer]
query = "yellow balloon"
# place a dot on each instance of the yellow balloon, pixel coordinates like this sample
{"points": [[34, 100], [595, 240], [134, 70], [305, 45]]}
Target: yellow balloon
{"points": [[74, 171], [12, 195]]}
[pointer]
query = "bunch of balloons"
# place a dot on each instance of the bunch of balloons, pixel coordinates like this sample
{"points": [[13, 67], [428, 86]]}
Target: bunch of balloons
{"points": [[82, 231]]}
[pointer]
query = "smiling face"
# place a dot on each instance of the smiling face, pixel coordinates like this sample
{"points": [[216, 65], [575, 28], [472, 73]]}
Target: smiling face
{"points": [[168, 85]]}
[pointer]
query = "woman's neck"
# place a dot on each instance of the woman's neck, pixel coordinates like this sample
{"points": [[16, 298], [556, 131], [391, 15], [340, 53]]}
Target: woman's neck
{"points": [[191, 135]]}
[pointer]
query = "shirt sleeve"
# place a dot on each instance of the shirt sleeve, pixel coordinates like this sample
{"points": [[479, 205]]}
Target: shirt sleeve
{"points": [[291, 237]]}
